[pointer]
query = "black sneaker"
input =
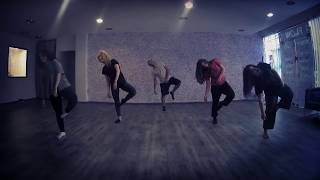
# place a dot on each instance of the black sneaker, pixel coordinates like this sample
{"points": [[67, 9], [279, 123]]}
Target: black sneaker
{"points": [[163, 108], [117, 121], [214, 121], [172, 95]]}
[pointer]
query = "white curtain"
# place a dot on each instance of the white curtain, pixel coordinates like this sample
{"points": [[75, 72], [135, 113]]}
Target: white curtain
{"points": [[315, 35]]}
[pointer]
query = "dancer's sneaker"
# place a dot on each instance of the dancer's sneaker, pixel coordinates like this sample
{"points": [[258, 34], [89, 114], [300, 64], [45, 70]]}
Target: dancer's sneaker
{"points": [[64, 115], [61, 135]]}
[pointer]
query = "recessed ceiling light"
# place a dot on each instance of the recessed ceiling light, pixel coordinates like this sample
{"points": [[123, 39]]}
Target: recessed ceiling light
{"points": [[290, 2], [188, 5], [99, 20], [270, 14]]}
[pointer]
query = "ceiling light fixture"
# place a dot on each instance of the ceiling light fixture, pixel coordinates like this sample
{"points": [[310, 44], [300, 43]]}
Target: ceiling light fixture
{"points": [[99, 20], [270, 14], [188, 5]]}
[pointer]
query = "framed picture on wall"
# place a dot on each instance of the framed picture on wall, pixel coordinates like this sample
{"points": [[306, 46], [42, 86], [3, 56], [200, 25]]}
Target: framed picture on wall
{"points": [[17, 62]]}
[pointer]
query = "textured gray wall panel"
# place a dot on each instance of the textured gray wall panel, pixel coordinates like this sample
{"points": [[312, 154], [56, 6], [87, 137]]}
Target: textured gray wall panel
{"points": [[180, 51]]}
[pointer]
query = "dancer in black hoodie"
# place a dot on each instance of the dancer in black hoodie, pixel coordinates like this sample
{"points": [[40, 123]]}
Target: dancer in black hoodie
{"points": [[265, 79]]}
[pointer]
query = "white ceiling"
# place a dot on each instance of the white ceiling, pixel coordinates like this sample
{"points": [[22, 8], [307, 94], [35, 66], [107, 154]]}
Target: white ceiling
{"points": [[224, 16]]}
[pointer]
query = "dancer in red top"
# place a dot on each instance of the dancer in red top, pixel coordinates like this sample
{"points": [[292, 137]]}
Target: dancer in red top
{"points": [[212, 72]]}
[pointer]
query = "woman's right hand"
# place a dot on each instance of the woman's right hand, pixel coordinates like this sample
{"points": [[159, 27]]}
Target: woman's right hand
{"points": [[205, 99]]}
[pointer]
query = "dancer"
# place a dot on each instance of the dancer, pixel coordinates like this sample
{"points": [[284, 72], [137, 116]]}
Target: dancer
{"points": [[115, 80], [265, 79], [60, 87], [213, 73], [161, 71]]}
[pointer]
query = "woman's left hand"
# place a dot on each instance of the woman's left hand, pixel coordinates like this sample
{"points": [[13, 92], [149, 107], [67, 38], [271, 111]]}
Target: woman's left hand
{"points": [[115, 86]]}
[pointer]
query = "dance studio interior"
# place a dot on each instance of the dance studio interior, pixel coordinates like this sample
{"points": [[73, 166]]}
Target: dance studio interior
{"points": [[160, 89]]}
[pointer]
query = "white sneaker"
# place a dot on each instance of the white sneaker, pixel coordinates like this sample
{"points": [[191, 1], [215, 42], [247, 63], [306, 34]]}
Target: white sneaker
{"points": [[64, 115], [61, 135]]}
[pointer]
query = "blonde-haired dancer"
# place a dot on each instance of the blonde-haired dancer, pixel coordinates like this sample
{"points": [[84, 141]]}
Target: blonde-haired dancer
{"points": [[115, 81]]}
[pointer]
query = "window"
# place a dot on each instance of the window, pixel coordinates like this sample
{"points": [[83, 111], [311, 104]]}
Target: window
{"points": [[17, 62], [271, 45], [315, 35]]}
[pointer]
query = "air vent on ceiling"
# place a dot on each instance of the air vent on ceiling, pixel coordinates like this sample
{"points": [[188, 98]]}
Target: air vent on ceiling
{"points": [[241, 30], [108, 29]]}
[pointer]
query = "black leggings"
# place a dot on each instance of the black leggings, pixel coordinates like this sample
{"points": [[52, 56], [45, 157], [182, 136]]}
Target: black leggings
{"points": [[115, 94], [272, 105], [216, 92], [57, 105]]}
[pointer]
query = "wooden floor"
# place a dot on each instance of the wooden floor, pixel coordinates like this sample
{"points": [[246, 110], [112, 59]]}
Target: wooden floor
{"points": [[150, 144]]}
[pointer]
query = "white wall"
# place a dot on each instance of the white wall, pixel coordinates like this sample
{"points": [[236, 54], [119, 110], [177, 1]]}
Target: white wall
{"points": [[81, 67], [180, 51]]}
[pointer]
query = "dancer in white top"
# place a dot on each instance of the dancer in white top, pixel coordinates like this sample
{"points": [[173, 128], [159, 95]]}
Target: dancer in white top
{"points": [[161, 71]]}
